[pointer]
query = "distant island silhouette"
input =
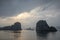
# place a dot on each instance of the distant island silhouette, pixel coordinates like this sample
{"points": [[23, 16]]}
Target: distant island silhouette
{"points": [[15, 26], [29, 28], [42, 26]]}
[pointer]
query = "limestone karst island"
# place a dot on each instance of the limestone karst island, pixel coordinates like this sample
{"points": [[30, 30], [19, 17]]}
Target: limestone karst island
{"points": [[15, 26], [41, 26]]}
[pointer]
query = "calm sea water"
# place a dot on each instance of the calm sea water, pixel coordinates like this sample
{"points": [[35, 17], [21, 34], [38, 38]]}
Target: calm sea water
{"points": [[28, 35]]}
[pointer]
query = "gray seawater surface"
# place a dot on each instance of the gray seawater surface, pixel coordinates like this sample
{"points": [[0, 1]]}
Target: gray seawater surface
{"points": [[28, 35]]}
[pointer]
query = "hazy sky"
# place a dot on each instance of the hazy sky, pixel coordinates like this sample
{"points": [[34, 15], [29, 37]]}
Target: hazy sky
{"points": [[28, 12]]}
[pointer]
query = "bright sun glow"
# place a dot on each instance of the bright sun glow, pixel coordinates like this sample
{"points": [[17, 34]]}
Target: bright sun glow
{"points": [[23, 15]]}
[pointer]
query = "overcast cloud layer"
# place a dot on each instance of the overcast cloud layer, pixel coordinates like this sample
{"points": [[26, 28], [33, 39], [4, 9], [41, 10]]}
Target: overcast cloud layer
{"points": [[28, 12]]}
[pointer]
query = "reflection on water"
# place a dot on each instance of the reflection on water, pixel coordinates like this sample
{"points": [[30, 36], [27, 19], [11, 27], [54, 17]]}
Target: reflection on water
{"points": [[41, 36], [48, 36], [28, 35], [45, 36], [9, 35], [16, 34]]}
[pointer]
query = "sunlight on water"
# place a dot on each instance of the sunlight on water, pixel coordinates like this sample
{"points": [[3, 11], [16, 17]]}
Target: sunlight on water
{"points": [[28, 35]]}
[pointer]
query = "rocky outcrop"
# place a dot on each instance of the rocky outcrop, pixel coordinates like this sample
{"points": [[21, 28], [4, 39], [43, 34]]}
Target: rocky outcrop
{"points": [[52, 29], [42, 26], [15, 26]]}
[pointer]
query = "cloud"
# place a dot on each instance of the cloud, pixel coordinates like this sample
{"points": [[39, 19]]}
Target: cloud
{"points": [[29, 19], [29, 12], [13, 7], [26, 18]]}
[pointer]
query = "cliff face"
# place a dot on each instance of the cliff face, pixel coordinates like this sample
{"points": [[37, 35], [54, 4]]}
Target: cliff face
{"points": [[42, 26]]}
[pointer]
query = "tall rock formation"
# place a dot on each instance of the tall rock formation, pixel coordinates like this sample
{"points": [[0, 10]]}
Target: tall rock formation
{"points": [[16, 26], [42, 26]]}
